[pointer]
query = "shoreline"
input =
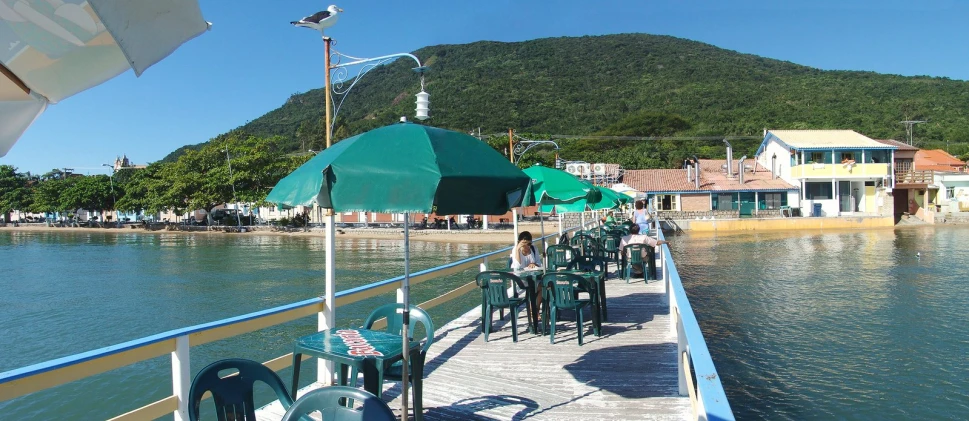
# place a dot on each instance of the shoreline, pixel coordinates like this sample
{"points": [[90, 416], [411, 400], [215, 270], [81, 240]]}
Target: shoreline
{"points": [[502, 236]]}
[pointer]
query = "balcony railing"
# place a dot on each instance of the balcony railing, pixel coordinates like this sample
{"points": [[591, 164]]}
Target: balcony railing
{"points": [[829, 170], [915, 177]]}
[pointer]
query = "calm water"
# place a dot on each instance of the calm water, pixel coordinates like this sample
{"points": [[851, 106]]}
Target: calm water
{"points": [[802, 326], [65, 293], [835, 325]]}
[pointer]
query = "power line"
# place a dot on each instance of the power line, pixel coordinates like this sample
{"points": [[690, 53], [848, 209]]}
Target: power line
{"points": [[910, 126]]}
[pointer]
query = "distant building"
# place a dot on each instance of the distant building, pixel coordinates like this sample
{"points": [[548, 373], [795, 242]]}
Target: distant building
{"points": [[746, 190], [122, 162], [838, 172]]}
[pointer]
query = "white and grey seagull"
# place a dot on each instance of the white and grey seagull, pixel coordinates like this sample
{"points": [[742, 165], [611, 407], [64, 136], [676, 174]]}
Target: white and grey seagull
{"points": [[320, 20]]}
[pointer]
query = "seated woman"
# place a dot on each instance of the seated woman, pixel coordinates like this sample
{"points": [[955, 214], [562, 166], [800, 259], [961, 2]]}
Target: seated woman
{"points": [[524, 255]]}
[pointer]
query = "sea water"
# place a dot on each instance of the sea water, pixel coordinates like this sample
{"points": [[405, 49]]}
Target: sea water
{"points": [[71, 292], [847, 325]]}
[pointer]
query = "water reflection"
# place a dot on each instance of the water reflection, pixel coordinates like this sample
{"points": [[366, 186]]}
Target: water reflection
{"points": [[834, 324]]}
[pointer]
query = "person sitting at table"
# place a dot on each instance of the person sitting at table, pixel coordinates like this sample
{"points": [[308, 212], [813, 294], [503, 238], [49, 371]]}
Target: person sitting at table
{"points": [[524, 255], [635, 237]]}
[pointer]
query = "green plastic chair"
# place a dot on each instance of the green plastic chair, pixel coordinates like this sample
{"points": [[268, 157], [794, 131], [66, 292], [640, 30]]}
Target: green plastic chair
{"points": [[559, 256], [562, 288], [633, 255], [494, 285], [329, 401], [233, 394], [583, 243], [594, 264], [395, 325], [610, 249]]}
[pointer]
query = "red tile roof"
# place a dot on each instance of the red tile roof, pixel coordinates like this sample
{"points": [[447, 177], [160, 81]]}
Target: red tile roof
{"points": [[938, 160], [712, 178]]}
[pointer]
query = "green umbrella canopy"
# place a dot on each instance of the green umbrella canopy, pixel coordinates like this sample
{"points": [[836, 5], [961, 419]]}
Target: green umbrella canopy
{"points": [[604, 198], [552, 186], [406, 167]]}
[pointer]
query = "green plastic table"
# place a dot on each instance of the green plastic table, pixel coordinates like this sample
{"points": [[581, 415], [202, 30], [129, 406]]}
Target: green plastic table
{"points": [[368, 351]]}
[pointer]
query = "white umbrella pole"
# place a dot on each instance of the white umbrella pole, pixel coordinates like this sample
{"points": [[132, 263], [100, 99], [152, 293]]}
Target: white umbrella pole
{"points": [[405, 288], [327, 319], [560, 225], [541, 222], [514, 218]]}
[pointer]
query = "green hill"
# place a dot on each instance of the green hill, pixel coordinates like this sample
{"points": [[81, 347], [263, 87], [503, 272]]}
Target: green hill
{"points": [[603, 84]]}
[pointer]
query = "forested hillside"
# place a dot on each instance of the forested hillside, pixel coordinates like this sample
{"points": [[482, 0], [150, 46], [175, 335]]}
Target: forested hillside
{"points": [[630, 85]]}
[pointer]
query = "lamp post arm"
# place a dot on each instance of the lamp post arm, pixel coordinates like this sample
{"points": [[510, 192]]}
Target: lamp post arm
{"points": [[523, 146], [342, 75]]}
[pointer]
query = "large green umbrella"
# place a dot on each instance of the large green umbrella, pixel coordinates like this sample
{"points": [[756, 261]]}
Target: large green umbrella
{"points": [[405, 168], [604, 199], [551, 186]]}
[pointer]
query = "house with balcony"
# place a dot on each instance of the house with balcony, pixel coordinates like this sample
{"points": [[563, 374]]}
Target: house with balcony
{"points": [[838, 172], [948, 192]]}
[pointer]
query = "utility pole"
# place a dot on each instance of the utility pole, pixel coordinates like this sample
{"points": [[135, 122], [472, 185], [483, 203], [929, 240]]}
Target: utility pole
{"points": [[909, 128]]}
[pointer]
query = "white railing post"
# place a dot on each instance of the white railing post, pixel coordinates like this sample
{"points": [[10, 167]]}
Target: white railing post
{"points": [[181, 377], [681, 346]]}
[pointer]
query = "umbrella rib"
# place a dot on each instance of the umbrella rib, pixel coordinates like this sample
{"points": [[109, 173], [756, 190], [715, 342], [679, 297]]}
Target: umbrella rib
{"points": [[13, 78]]}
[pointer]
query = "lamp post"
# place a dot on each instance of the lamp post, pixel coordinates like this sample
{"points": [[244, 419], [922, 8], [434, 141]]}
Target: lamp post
{"points": [[228, 163], [334, 84], [114, 199]]}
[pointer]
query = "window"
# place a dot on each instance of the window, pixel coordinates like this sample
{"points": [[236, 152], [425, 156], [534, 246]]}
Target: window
{"points": [[773, 200], [950, 192], [847, 156], [724, 201], [817, 157], [666, 202], [818, 191]]}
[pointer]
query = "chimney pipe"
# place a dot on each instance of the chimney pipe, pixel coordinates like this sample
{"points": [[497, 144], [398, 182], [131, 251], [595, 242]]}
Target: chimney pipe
{"points": [[729, 159], [696, 172], [741, 170], [773, 167], [689, 173]]}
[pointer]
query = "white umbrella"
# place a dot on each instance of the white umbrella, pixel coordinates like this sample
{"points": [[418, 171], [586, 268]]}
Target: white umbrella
{"points": [[52, 49]]}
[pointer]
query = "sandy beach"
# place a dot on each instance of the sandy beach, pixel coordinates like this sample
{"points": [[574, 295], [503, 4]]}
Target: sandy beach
{"points": [[502, 236]]}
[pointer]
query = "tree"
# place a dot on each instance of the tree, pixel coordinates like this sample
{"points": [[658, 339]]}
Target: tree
{"points": [[14, 193]]}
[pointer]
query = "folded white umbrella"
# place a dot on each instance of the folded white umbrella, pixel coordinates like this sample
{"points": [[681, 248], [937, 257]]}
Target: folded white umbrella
{"points": [[52, 49]]}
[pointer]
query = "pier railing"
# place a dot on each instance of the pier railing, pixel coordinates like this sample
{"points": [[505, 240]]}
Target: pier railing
{"points": [[698, 376], [708, 398]]}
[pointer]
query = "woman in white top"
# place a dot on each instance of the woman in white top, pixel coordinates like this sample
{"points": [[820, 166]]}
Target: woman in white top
{"points": [[524, 255], [641, 216]]}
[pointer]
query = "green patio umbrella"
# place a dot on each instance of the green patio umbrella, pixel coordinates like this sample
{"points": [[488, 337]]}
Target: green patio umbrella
{"points": [[405, 168], [552, 186], [604, 199]]}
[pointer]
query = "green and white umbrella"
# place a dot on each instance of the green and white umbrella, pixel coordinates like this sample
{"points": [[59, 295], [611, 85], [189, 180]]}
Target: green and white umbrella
{"points": [[551, 186], [405, 168]]}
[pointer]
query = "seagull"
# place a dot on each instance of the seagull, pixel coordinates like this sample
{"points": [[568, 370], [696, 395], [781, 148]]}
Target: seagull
{"points": [[320, 20]]}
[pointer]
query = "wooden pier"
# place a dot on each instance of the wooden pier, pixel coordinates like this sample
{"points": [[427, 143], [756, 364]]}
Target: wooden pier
{"points": [[629, 373]]}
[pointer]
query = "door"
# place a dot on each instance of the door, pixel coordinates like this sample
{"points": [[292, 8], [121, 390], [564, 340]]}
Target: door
{"points": [[844, 196]]}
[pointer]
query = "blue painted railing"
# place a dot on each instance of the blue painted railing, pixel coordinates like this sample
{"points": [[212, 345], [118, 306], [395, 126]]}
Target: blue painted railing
{"points": [[702, 383]]}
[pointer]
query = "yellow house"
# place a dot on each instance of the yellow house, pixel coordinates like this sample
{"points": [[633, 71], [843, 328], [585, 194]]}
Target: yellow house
{"points": [[839, 172]]}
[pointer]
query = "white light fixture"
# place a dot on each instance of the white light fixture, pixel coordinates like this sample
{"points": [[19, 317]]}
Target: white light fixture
{"points": [[423, 105]]}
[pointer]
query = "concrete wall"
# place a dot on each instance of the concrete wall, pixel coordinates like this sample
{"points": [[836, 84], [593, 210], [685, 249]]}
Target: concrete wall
{"points": [[761, 224]]}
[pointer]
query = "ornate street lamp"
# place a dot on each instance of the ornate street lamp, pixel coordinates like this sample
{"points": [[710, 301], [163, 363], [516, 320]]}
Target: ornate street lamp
{"points": [[114, 199], [340, 84]]}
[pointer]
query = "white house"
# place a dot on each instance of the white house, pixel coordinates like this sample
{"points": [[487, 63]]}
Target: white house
{"points": [[843, 171]]}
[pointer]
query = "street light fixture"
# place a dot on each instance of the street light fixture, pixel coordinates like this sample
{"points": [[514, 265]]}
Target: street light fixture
{"points": [[114, 199], [233, 184]]}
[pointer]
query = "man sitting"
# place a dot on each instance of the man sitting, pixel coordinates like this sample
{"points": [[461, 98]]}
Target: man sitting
{"points": [[635, 238]]}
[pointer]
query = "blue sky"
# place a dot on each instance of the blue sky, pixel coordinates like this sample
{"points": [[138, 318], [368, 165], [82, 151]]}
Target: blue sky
{"points": [[252, 60]]}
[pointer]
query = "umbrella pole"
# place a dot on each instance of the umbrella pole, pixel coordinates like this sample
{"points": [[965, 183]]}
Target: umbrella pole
{"points": [[327, 318], [405, 289], [541, 222], [560, 225]]}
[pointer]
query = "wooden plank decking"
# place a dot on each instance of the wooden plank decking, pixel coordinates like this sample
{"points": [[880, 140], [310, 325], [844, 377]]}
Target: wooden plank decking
{"points": [[628, 373]]}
